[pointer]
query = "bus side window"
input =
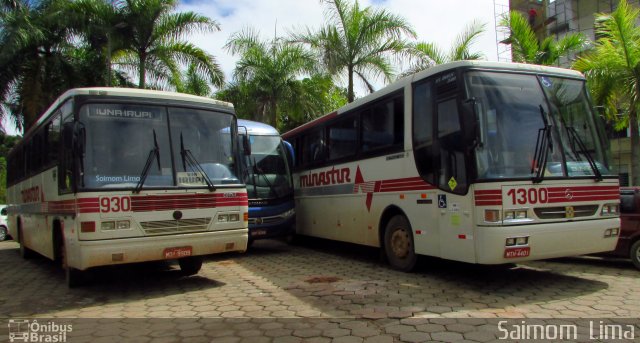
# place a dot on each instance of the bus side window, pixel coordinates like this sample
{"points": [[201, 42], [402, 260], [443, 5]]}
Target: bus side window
{"points": [[452, 174], [53, 139], [343, 138], [65, 168], [382, 126], [313, 147], [423, 142]]}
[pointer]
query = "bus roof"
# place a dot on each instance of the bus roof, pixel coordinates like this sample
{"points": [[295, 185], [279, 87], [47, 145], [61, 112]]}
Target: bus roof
{"points": [[128, 92], [257, 128], [401, 83]]}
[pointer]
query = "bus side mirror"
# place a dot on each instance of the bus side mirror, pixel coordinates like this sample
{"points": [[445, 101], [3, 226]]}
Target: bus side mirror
{"points": [[67, 136], [469, 123], [290, 154], [246, 145], [74, 137]]}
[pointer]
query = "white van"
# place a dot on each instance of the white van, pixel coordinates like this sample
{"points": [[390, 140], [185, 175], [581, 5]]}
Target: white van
{"points": [[3, 223]]}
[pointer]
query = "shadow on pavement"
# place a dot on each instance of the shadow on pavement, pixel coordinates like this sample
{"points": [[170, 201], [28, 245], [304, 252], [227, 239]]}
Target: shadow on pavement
{"points": [[37, 286], [350, 280]]}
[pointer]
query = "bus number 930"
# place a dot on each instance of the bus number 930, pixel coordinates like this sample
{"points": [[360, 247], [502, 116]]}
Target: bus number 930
{"points": [[115, 204]]}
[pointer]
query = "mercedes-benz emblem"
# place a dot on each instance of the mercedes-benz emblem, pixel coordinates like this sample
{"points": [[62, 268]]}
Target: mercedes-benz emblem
{"points": [[568, 194]]}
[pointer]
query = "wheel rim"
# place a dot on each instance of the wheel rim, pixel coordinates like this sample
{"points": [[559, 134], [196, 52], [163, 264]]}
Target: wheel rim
{"points": [[3, 234], [400, 243]]}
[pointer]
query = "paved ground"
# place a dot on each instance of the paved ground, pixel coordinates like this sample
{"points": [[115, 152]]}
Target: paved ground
{"points": [[322, 292]]}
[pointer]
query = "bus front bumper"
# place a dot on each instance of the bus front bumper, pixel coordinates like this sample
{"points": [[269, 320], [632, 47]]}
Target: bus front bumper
{"points": [[545, 241], [87, 254]]}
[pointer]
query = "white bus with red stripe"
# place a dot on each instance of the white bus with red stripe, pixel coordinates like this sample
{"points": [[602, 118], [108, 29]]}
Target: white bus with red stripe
{"points": [[113, 175], [479, 162]]}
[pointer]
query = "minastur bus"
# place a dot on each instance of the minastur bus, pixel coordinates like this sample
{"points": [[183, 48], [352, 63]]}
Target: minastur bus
{"points": [[478, 162], [113, 175], [268, 180]]}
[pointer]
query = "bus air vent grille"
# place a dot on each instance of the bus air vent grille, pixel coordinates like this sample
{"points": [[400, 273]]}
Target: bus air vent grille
{"points": [[163, 227], [560, 212]]}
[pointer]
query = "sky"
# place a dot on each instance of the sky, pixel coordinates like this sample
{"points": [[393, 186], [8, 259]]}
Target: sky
{"points": [[434, 21]]}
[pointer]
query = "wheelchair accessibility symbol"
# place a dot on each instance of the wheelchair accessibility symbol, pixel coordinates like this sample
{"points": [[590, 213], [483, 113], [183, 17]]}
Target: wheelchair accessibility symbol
{"points": [[442, 201]]}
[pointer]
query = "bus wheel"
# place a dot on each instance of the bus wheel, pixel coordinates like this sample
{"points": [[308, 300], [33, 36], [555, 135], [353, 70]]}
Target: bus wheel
{"points": [[634, 253], [398, 244], [73, 276], [24, 251], [190, 265]]}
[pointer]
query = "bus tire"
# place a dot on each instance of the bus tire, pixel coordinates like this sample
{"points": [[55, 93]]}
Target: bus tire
{"points": [[398, 244], [634, 254], [190, 265], [25, 252]]}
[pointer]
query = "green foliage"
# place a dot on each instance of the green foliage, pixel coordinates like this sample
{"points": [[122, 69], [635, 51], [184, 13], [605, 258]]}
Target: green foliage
{"points": [[6, 143], [358, 42], [153, 45], [49, 46], [426, 55], [526, 48], [319, 97], [268, 72], [612, 69]]}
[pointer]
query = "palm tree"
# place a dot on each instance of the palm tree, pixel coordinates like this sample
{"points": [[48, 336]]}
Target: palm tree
{"points": [[153, 45], [271, 70], [612, 70], [427, 55], [192, 82], [526, 48], [35, 63], [359, 42]]}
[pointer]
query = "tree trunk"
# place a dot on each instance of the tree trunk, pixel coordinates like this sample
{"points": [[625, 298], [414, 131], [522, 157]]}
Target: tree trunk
{"points": [[634, 180], [142, 70], [273, 116], [350, 95]]}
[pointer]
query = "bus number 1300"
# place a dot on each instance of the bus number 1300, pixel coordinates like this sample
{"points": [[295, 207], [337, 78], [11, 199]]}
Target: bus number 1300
{"points": [[523, 196]]}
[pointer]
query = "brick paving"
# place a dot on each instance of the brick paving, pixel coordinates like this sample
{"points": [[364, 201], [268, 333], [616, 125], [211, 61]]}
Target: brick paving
{"points": [[317, 292]]}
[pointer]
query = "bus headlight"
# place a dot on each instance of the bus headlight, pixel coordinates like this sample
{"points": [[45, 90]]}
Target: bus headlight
{"points": [[107, 226], [115, 225], [123, 225], [610, 210], [613, 232], [228, 217], [288, 214]]}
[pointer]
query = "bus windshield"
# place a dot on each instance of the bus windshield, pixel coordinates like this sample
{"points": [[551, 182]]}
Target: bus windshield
{"points": [[534, 126], [121, 138], [268, 172]]}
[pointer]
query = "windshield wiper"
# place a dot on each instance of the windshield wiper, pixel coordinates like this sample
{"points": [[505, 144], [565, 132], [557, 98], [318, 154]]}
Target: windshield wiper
{"points": [[190, 160], [153, 154], [575, 138], [259, 170], [544, 144]]}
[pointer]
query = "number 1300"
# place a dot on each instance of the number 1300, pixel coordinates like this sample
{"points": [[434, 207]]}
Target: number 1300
{"points": [[523, 196]]}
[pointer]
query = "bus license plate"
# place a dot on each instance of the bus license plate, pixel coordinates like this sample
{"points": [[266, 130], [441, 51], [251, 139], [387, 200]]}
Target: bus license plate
{"points": [[171, 253], [517, 252]]}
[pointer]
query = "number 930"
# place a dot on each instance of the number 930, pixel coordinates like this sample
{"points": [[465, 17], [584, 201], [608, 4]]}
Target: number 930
{"points": [[115, 204]]}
